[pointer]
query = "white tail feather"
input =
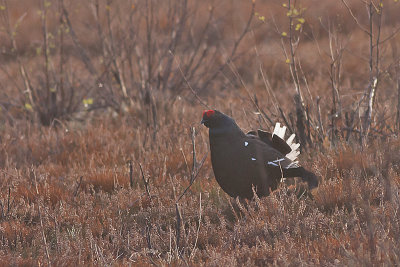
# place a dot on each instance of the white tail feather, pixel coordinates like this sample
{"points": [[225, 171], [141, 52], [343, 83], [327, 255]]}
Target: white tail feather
{"points": [[276, 129], [282, 132], [279, 131], [292, 155], [290, 139], [294, 146]]}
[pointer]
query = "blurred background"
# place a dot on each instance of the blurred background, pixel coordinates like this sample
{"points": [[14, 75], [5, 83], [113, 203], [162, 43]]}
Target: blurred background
{"points": [[100, 105]]}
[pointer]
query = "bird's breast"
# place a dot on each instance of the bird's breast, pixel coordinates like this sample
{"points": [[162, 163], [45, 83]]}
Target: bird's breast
{"points": [[234, 166]]}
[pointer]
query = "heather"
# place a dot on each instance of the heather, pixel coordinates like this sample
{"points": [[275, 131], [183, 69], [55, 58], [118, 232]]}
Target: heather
{"points": [[103, 160]]}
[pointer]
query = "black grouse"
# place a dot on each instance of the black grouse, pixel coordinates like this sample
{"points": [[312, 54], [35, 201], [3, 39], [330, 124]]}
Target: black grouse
{"points": [[256, 160]]}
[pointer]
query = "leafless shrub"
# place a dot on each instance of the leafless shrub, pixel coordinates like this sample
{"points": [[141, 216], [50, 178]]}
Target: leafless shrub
{"points": [[68, 196], [144, 48]]}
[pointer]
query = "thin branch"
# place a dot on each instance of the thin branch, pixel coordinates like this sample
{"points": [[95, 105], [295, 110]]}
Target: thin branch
{"points": [[178, 226], [146, 183], [235, 47], [355, 18], [130, 173], [392, 35], [197, 232], [187, 82], [83, 55], [252, 99], [194, 176], [78, 186], [194, 166], [41, 221]]}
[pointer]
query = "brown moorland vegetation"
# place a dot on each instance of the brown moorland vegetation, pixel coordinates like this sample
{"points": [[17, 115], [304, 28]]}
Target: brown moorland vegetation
{"points": [[103, 160]]}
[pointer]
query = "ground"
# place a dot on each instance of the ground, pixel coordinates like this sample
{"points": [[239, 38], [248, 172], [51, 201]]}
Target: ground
{"points": [[103, 160]]}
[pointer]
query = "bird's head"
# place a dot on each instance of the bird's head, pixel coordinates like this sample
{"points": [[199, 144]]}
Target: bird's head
{"points": [[209, 116], [214, 119]]}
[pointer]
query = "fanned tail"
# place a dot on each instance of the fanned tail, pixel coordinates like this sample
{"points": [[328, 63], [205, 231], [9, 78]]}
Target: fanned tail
{"points": [[292, 155]]}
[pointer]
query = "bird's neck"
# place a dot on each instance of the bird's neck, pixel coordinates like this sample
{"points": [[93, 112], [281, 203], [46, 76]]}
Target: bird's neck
{"points": [[230, 132]]}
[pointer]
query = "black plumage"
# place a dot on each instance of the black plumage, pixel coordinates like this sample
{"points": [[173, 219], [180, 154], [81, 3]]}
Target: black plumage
{"points": [[257, 160]]}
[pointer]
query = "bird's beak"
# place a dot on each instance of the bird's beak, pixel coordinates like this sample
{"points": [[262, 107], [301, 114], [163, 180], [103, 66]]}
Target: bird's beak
{"points": [[202, 121]]}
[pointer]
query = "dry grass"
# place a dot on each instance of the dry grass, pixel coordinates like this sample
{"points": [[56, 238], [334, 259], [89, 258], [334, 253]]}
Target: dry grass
{"points": [[65, 194]]}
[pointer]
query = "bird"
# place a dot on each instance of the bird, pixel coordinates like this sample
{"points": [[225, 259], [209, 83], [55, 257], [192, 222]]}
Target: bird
{"points": [[244, 164]]}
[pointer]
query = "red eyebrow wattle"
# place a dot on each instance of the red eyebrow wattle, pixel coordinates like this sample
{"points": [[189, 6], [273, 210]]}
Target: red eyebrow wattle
{"points": [[208, 112]]}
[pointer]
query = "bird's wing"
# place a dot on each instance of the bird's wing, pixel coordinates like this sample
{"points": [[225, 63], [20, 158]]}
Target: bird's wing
{"points": [[267, 155], [272, 140], [274, 158]]}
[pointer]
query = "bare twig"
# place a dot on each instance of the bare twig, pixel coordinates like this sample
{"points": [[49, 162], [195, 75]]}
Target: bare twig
{"points": [[374, 66], [197, 232], [178, 227], [131, 173], [368, 112], [8, 200], [2, 210], [11, 33], [78, 186], [285, 120], [61, 64], [336, 52], [320, 124], [194, 176], [398, 102], [117, 66], [235, 47], [293, 41], [391, 36], [46, 52], [148, 233], [41, 221], [267, 84], [83, 55], [187, 82], [194, 166], [146, 183], [252, 99], [354, 17]]}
